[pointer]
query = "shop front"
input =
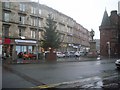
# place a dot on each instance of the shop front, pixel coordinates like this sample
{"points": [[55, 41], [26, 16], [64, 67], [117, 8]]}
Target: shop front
{"points": [[6, 47], [12, 47], [25, 46]]}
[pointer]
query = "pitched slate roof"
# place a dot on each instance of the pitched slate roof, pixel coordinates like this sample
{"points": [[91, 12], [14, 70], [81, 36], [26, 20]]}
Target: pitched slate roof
{"points": [[105, 20]]}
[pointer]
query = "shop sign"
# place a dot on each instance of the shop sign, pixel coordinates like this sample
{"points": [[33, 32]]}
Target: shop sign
{"points": [[24, 41], [6, 41]]}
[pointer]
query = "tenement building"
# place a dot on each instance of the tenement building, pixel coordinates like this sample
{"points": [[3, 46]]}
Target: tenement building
{"points": [[110, 35], [21, 28]]}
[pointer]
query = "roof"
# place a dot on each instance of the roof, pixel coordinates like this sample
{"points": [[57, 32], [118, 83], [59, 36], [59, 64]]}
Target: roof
{"points": [[105, 20]]}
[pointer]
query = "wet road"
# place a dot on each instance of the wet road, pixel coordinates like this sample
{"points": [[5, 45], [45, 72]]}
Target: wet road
{"points": [[86, 73]]}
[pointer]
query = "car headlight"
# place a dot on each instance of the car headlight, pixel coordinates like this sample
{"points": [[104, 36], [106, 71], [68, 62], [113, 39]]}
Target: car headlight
{"points": [[117, 61]]}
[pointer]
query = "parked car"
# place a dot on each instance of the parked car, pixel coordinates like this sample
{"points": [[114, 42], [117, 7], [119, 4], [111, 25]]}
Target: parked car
{"points": [[69, 54], [77, 53], [60, 54], [117, 63], [72, 53]]}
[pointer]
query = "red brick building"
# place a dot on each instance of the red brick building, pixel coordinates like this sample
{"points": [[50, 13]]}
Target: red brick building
{"points": [[110, 35]]}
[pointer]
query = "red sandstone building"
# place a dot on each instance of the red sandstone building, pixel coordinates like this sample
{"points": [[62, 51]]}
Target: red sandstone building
{"points": [[110, 35]]}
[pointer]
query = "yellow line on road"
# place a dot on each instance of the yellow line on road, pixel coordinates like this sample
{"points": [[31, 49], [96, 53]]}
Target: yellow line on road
{"points": [[47, 86], [66, 83]]}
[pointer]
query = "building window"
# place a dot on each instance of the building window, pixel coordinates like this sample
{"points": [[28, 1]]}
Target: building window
{"points": [[40, 36], [34, 21], [22, 19], [33, 10], [7, 4], [21, 31], [5, 31], [33, 34], [31, 21], [6, 17], [40, 23], [22, 7], [40, 11]]}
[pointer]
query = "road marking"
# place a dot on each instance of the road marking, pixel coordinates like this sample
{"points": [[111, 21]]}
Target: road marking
{"points": [[86, 82], [67, 83], [47, 86]]}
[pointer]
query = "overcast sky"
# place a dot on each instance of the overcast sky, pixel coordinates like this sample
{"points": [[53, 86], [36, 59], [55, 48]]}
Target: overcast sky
{"points": [[88, 13]]}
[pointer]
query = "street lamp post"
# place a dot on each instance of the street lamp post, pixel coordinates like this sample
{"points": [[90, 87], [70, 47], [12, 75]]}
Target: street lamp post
{"points": [[108, 43], [37, 30]]}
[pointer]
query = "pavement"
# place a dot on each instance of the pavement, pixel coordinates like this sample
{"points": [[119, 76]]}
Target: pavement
{"points": [[65, 59]]}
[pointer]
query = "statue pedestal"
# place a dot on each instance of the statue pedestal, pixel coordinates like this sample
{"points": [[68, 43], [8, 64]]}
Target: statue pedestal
{"points": [[92, 52]]}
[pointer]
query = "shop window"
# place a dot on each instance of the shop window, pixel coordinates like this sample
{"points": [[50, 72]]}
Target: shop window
{"points": [[21, 49], [30, 49]]}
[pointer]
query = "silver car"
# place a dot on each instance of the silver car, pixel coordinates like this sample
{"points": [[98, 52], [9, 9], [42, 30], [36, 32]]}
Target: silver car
{"points": [[117, 63]]}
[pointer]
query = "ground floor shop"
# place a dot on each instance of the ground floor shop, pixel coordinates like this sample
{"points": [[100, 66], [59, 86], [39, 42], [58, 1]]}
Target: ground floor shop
{"points": [[12, 47], [73, 47]]}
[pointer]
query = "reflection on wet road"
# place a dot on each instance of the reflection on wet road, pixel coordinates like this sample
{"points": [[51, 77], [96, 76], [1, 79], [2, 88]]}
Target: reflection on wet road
{"points": [[72, 74]]}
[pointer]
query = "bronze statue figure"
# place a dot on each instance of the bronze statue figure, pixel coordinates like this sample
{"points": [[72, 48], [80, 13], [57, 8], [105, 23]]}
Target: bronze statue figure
{"points": [[92, 33]]}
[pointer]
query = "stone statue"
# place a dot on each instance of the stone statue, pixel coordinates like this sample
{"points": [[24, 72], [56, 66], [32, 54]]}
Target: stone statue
{"points": [[92, 33]]}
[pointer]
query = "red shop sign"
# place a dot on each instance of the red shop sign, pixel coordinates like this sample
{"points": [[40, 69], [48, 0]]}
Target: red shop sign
{"points": [[6, 41]]}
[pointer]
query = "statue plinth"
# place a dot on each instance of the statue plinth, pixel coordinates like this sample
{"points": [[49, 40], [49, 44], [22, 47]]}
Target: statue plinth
{"points": [[92, 52], [92, 45]]}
